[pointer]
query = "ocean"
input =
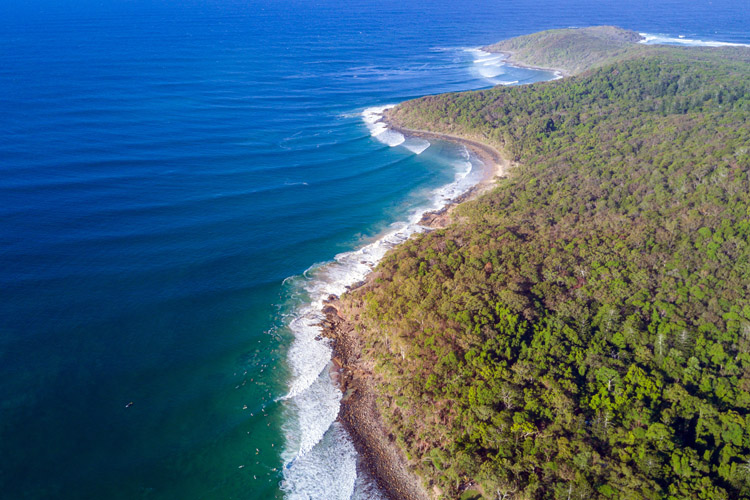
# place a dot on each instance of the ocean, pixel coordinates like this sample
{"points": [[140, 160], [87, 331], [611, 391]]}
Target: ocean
{"points": [[183, 183]]}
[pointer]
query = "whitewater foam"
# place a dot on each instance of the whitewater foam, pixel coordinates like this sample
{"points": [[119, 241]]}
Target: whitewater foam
{"points": [[659, 39], [487, 65], [373, 118], [326, 472], [415, 145]]}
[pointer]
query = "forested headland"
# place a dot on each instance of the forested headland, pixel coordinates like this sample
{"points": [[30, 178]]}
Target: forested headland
{"points": [[583, 330], [572, 50]]}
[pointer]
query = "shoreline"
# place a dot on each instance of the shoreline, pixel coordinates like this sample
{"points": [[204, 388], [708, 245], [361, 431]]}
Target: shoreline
{"points": [[378, 453], [495, 167]]}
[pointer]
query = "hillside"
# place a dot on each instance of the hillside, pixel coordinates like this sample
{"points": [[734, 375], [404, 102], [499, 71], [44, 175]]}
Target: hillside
{"points": [[583, 331], [571, 50]]}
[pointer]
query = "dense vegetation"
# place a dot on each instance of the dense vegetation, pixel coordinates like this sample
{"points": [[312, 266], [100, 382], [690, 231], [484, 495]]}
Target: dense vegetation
{"points": [[583, 331], [572, 50]]}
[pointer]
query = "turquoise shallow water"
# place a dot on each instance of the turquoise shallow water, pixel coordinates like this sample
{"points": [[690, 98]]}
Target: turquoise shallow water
{"points": [[176, 180]]}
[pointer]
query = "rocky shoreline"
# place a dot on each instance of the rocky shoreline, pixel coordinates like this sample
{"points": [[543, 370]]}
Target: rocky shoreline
{"points": [[379, 455]]}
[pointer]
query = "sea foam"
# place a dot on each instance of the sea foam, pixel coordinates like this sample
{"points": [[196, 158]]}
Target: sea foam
{"points": [[373, 118], [657, 39], [415, 145], [486, 64], [489, 66]]}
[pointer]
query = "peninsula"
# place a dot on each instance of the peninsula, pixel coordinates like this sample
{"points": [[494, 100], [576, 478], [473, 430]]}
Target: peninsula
{"points": [[581, 331]]}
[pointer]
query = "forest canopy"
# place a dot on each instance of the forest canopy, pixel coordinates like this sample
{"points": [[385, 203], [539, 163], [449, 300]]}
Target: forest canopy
{"points": [[572, 50], [583, 330]]}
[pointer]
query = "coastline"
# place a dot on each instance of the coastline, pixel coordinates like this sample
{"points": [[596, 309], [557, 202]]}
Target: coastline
{"points": [[495, 167], [379, 454]]}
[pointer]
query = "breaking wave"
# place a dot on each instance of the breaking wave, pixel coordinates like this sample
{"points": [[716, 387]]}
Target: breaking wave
{"points": [[651, 39]]}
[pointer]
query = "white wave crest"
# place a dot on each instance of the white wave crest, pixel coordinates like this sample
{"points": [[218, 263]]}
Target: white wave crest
{"points": [[486, 64], [652, 39], [390, 137], [373, 118], [316, 409], [415, 145], [327, 472], [315, 353], [503, 82]]}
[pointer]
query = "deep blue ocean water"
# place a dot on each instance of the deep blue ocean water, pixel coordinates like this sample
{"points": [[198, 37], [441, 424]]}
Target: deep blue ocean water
{"points": [[181, 183]]}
